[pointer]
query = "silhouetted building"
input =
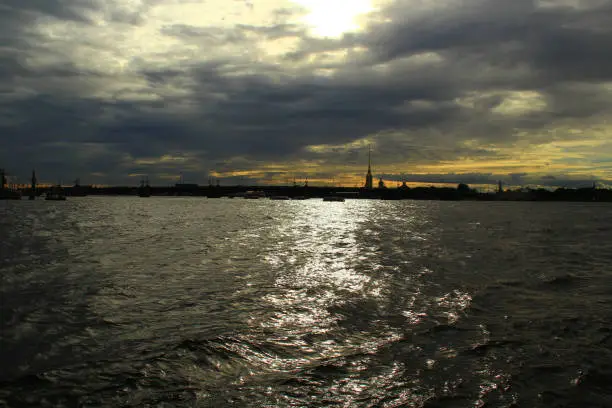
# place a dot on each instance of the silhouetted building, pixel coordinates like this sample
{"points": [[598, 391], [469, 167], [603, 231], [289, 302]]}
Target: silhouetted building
{"points": [[368, 182], [500, 188], [463, 188], [187, 189], [33, 186], [77, 190], [381, 183], [145, 189], [187, 186]]}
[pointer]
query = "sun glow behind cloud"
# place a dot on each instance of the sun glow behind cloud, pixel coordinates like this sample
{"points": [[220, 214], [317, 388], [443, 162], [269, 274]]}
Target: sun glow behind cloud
{"points": [[332, 18]]}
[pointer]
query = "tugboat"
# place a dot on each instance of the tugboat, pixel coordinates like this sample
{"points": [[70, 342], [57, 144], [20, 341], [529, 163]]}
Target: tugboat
{"points": [[56, 194], [333, 198], [7, 193]]}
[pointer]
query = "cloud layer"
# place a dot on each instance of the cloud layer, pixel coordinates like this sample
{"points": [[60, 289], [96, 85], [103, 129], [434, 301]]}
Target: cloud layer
{"points": [[443, 90]]}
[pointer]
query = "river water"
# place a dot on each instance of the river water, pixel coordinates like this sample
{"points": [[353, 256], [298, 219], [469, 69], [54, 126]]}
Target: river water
{"points": [[195, 302]]}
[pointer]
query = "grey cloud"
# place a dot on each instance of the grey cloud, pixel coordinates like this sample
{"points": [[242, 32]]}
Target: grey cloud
{"points": [[558, 44], [207, 35], [19, 12], [276, 31], [486, 46], [28, 9]]}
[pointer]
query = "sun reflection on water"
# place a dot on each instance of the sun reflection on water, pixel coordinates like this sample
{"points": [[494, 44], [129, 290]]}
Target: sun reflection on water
{"points": [[322, 243], [320, 264], [327, 290], [317, 251]]}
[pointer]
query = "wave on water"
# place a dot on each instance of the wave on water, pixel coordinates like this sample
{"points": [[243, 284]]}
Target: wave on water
{"points": [[213, 303]]}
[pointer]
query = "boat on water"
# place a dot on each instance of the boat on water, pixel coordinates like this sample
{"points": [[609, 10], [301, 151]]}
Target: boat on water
{"points": [[300, 198], [56, 193], [7, 193], [280, 197], [333, 198], [251, 194]]}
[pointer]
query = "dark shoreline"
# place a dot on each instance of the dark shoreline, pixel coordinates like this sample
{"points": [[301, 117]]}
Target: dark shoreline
{"points": [[417, 193]]}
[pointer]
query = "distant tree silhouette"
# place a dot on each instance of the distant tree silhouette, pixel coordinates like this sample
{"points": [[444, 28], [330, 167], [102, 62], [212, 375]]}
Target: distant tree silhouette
{"points": [[463, 188]]}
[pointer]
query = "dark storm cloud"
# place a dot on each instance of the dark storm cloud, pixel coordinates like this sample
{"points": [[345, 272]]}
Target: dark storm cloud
{"points": [[260, 118], [417, 67], [16, 13], [556, 43], [25, 10]]}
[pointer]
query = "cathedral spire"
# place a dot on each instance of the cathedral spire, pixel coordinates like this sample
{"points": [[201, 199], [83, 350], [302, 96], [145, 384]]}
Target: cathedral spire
{"points": [[368, 182], [33, 186]]}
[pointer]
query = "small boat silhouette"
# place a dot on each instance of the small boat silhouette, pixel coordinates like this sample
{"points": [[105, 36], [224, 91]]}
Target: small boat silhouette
{"points": [[56, 194]]}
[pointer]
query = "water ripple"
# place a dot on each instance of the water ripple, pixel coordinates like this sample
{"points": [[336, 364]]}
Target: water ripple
{"points": [[199, 302]]}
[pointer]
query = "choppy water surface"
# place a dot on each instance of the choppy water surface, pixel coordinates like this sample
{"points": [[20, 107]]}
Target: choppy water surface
{"points": [[210, 303]]}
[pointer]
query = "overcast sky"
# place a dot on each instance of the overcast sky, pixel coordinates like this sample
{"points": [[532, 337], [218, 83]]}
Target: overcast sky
{"points": [[267, 90]]}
